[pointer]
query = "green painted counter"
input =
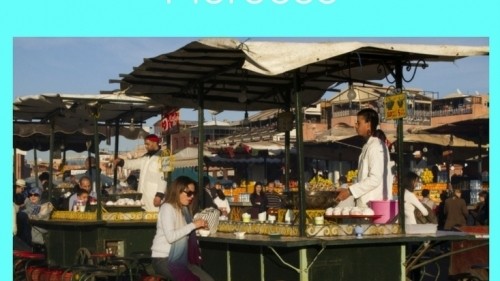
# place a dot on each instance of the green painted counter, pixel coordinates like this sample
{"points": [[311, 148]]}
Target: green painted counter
{"points": [[64, 238], [256, 257], [259, 257]]}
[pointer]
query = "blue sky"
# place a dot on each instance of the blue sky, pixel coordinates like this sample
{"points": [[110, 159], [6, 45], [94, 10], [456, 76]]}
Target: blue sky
{"points": [[84, 65], [48, 65]]}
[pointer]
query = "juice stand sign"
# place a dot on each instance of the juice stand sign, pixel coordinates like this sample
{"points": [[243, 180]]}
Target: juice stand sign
{"points": [[395, 106]]}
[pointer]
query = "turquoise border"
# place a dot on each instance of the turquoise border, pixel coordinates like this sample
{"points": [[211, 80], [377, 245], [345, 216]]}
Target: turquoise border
{"points": [[267, 19]]}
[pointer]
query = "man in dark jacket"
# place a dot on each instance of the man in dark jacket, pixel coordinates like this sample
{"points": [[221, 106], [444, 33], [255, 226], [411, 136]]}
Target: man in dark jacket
{"points": [[455, 210]]}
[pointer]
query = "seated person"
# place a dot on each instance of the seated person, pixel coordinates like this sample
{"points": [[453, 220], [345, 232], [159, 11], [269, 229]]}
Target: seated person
{"points": [[82, 196], [480, 212], [221, 201], [85, 184], [31, 207], [411, 202], [273, 198], [427, 200], [132, 182], [208, 195]]}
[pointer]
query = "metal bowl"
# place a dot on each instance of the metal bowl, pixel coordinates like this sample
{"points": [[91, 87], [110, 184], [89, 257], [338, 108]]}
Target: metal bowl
{"points": [[314, 199]]}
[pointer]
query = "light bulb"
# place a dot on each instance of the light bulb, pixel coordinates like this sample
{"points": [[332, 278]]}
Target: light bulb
{"points": [[351, 94], [132, 125]]}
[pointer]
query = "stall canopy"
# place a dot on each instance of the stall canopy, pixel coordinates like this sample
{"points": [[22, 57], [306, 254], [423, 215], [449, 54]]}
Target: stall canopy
{"points": [[188, 157], [476, 130], [69, 117], [225, 74], [438, 139], [41, 141], [233, 75]]}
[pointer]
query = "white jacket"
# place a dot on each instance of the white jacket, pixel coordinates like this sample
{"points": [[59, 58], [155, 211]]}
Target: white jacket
{"points": [[151, 178], [374, 171], [222, 204], [411, 201], [170, 227]]}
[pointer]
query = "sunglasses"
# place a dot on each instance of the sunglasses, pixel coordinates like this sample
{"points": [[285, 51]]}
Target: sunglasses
{"points": [[34, 194], [189, 193]]}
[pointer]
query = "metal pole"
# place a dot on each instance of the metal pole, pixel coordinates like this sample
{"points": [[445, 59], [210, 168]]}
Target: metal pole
{"points": [[300, 156], [98, 167], [304, 272], [262, 264], [287, 160], [201, 141], [228, 263], [51, 159], [480, 156], [35, 167], [287, 146], [401, 190], [15, 166], [115, 170]]}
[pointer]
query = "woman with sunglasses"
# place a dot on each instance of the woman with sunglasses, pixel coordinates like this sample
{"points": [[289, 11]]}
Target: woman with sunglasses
{"points": [[175, 249], [31, 207]]}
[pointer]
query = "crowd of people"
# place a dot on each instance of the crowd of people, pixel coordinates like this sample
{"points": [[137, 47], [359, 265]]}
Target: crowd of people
{"points": [[174, 247]]}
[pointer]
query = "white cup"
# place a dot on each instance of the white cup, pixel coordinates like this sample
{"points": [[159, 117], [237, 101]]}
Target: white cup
{"points": [[246, 217], [272, 218], [262, 217], [319, 220], [82, 208]]}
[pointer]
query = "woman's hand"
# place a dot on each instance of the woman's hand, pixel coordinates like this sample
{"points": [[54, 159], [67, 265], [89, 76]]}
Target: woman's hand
{"points": [[200, 223], [223, 211]]}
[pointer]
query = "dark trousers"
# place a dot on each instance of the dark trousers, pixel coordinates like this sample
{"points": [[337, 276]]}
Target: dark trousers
{"points": [[160, 266], [24, 228]]}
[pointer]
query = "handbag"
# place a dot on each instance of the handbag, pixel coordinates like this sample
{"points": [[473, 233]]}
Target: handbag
{"points": [[194, 253], [430, 218], [44, 213]]}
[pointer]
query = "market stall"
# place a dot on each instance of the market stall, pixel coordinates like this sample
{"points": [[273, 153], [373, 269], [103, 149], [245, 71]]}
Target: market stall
{"points": [[61, 118], [224, 74], [76, 122], [289, 76]]}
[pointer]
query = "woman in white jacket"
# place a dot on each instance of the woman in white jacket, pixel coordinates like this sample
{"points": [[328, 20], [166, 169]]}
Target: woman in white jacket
{"points": [[221, 201], [175, 248], [411, 200], [375, 179]]}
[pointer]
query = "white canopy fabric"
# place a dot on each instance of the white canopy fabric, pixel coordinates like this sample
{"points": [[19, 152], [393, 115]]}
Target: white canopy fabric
{"points": [[343, 132], [439, 139], [274, 148], [188, 157], [73, 110], [339, 132], [233, 75], [27, 130], [476, 130], [70, 114], [222, 161]]}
